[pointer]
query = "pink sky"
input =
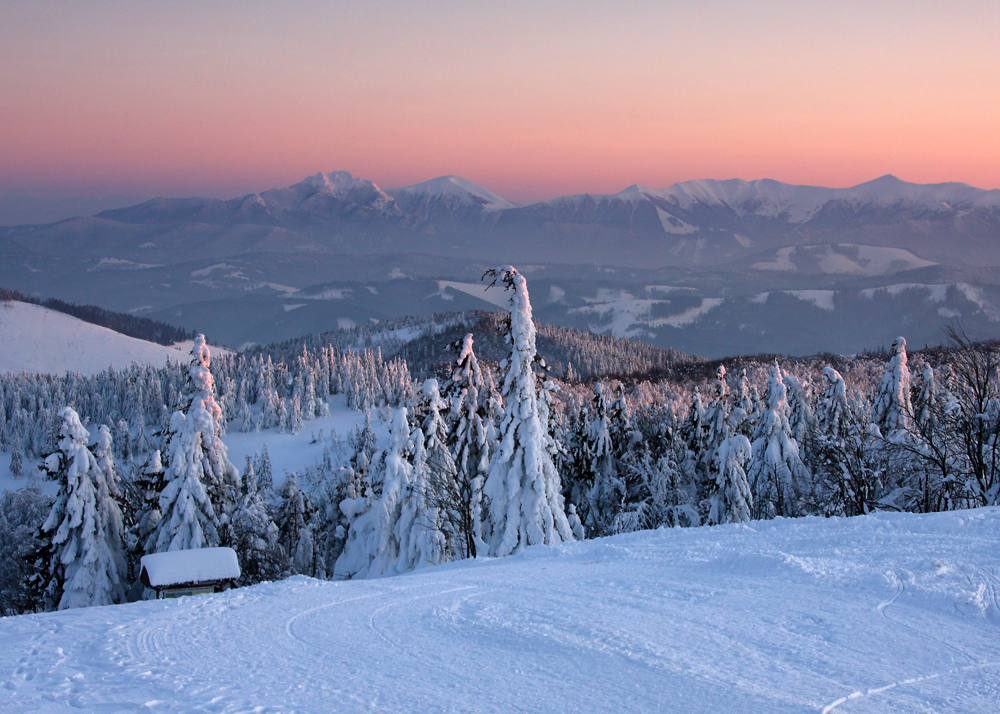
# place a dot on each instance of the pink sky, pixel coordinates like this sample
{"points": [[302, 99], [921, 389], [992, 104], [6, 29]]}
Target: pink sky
{"points": [[110, 101]]}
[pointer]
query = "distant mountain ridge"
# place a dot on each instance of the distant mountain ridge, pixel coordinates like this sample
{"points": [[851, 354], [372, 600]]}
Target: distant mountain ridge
{"points": [[693, 223], [688, 266]]}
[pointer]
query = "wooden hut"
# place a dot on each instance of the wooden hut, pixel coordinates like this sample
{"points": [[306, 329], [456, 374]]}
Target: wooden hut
{"points": [[189, 572]]}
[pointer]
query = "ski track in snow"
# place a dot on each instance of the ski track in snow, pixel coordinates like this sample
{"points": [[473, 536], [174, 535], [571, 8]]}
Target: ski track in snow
{"points": [[890, 613]]}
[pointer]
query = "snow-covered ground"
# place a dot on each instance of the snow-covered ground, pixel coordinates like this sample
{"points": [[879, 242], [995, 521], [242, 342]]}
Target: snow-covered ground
{"points": [[36, 339], [292, 452], [887, 613]]}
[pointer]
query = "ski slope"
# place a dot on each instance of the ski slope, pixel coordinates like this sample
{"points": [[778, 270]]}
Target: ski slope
{"points": [[888, 613], [36, 339]]}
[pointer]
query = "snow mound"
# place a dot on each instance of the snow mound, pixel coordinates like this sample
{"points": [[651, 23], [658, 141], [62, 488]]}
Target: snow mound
{"points": [[36, 339], [888, 613]]}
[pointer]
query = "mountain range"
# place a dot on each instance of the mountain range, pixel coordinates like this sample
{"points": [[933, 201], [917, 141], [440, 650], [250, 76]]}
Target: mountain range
{"points": [[705, 266]]}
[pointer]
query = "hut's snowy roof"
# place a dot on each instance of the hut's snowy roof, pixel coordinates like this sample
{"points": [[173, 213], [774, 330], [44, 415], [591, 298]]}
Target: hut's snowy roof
{"points": [[184, 567]]}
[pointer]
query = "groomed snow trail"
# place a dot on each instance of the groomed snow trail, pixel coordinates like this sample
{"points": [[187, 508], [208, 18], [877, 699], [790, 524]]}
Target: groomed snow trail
{"points": [[888, 613]]}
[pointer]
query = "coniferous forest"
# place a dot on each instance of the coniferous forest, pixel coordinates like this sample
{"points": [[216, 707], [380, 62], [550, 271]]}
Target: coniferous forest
{"points": [[501, 434]]}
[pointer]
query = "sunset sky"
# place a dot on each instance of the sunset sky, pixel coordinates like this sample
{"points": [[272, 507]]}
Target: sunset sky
{"points": [[107, 103]]}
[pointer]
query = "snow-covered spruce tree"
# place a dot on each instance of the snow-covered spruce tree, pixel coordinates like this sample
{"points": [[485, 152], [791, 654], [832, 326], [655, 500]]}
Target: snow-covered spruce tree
{"points": [[468, 442], [664, 497], [801, 418], [420, 531], [693, 431], [255, 536], [83, 534], [105, 457], [446, 502], [293, 517], [265, 475], [22, 512], [372, 546], [776, 472], [746, 400], [732, 501], [607, 489], [188, 516], [16, 458], [197, 462], [716, 417], [717, 430], [891, 408], [149, 484], [304, 558], [833, 411], [522, 488]]}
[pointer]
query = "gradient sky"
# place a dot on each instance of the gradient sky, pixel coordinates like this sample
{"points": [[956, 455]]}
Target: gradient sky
{"points": [[106, 103]]}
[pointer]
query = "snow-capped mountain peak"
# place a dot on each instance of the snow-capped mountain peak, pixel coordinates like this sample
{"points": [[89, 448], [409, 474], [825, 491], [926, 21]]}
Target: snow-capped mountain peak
{"points": [[334, 183], [455, 189]]}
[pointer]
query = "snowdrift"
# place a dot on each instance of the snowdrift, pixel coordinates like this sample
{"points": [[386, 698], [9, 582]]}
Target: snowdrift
{"points": [[888, 613]]}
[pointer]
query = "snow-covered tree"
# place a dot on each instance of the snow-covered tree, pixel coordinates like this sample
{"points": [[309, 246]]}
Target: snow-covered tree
{"points": [[833, 411], [22, 512], [149, 484], [372, 546], [607, 488], [891, 408], [202, 485], [776, 472], [16, 458], [420, 530], [294, 515], [188, 516], [265, 476], [469, 443], [255, 536], [83, 534], [732, 501], [445, 503], [523, 487], [304, 558], [105, 457]]}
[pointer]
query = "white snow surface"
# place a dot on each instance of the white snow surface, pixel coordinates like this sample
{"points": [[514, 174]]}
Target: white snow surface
{"points": [[843, 259], [888, 613], [36, 339], [493, 295], [199, 565], [290, 452], [823, 299]]}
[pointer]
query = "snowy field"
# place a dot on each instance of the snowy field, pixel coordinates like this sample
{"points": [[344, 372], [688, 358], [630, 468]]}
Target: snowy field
{"points": [[888, 613], [292, 452], [36, 339]]}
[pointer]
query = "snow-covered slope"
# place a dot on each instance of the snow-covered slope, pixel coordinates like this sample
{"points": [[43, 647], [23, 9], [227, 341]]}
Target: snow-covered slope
{"points": [[36, 339], [888, 613], [842, 258]]}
